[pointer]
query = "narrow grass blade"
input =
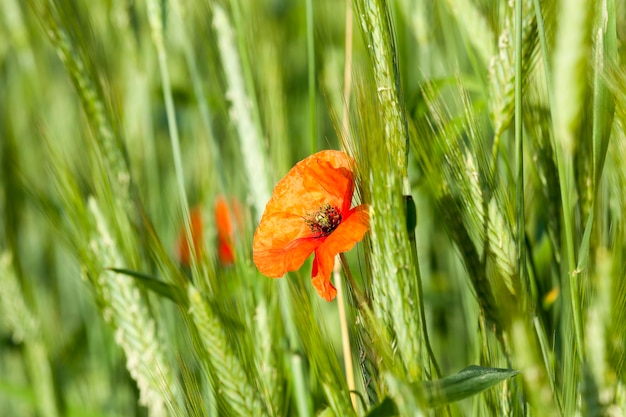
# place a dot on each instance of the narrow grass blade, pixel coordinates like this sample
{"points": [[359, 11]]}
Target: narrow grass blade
{"points": [[161, 288], [468, 382]]}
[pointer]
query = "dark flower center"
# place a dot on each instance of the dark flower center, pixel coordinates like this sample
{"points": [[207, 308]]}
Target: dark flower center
{"points": [[324, 221]]}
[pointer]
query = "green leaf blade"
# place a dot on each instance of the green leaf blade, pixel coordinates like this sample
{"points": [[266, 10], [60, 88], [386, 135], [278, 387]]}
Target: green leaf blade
{"points": [[468, 382]]}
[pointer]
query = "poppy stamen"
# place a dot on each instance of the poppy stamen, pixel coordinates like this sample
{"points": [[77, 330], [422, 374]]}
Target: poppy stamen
{"points": [[324, 221]]}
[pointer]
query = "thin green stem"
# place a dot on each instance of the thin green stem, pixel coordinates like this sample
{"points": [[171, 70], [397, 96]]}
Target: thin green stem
{"points": [[519, 146], [310, 48], [302, 393], [154, 16], [420, 295], [347, 70], [360, 297], [345, 334], [201, 99]]}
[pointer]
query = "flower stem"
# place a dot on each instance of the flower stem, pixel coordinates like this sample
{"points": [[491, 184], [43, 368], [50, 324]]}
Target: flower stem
{"points": [[345, 336], [361, 300], [340, 259]]}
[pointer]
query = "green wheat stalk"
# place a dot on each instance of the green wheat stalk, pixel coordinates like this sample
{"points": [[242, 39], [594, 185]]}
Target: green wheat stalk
{"points": [[394, 286], [456, 179], [376, 26], [573, 47]]}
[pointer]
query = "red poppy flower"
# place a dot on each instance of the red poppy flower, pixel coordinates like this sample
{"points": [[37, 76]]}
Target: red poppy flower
{"points": [[310, 212], [183, 248], [225, 249]]}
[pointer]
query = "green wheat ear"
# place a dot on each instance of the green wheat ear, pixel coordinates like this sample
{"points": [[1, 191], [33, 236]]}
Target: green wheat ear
{"points": [[80, 60], [235, 393], [502, 68], [124, 308], [450, 148], [381, 125]]}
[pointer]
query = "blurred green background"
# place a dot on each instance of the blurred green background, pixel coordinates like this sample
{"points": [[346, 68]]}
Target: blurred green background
{"points": [[117, 116]]}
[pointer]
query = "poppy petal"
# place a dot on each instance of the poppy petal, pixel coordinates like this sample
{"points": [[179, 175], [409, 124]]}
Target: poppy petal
{"points": [[276, 261], [225, 252], [324, 177], [223, 218], [322, 267]]}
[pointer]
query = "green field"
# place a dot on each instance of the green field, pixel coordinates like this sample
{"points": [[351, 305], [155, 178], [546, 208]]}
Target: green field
{"points": [[140, 143]]}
